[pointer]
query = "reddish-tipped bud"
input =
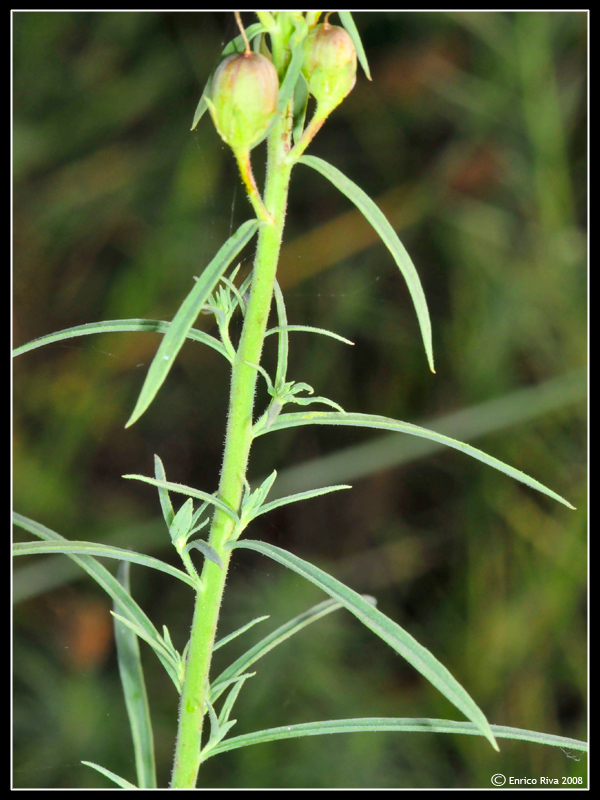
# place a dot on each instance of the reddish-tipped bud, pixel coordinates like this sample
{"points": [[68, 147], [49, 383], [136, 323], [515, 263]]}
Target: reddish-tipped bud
{"points": [[243, 99], [329, 64]]}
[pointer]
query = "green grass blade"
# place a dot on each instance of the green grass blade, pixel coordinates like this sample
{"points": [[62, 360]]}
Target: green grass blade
{"points": [[386, 424], [391, 724], [348, 23], [186, 315], [104, 551], [134, 690], [111, 775], [270, 641], [388, 630], [187, 490], [112, 587], [389, 237], [118, 326]]}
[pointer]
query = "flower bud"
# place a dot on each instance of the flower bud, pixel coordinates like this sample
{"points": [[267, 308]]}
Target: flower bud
{"points": [[243, 99], [329, 64]]}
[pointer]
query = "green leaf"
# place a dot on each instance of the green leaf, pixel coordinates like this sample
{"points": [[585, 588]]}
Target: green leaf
{"points": [[112, 586], [388, 630], [182, 523], [385, 423], [167, 654], [270, 641], [207, 550], [236, 45], [187, 313], [232, 697], [310, 329], [118, 326], [68, 547], [348, 23], [134, 689], [391, 724], [294, 498], [283, 338], [301, 94], [187, 490], [239, 631], [388, 236], [111, 775], [163, 495]]}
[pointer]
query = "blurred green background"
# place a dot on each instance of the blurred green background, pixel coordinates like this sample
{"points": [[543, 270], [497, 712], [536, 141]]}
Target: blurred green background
{"points": [[472, 138]]}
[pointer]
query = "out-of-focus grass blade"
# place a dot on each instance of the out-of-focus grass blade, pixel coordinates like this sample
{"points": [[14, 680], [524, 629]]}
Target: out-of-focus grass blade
{"points": [[103, 550], [384, 627], [134, 690], [187, 313], [112, 586], [111, 775], [386, 424], [391, 724], [118, 326], [348, 23], [265, 645], [388, 236]]}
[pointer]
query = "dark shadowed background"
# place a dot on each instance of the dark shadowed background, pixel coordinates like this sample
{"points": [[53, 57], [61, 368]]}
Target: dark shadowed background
{"points": [[472, 138]]}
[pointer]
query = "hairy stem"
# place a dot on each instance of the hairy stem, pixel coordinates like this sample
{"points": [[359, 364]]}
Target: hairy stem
{"points": [[237, 450]]}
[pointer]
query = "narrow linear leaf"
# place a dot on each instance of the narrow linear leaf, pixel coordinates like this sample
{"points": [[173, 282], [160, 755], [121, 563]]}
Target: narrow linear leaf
{"points": [[391, 724], [283, 338], [207, 550], [388, 236], [104, 550], [300, 104], [118, 326], [187, 490], [187, 313], [164, 652], [239, 631], [270, 641], [181, 526], [348, 23], [111, 775], [385, 423], [163, 495], [229, 703], [134, 690], [388, 630], [310, 329], [112, 587], [294, 498]]}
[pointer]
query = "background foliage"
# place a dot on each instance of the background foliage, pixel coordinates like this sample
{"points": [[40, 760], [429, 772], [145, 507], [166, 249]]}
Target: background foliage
{"points": [[472, 139]]}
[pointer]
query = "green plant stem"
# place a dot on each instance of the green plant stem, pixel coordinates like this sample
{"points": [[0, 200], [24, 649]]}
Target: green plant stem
{"points": [[237, 449]]}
